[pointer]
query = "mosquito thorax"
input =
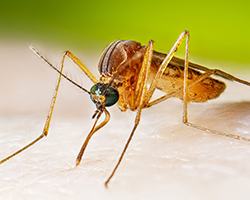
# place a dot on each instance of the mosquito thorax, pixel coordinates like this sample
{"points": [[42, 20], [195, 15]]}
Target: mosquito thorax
{"points": [[99, 93]]}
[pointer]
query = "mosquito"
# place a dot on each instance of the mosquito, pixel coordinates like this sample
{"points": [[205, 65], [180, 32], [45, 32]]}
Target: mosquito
{"points": [[129, 75]]}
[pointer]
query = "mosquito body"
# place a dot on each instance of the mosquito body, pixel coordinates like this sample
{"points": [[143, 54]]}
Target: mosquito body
{"points": [[122, 51], [129, 75]]}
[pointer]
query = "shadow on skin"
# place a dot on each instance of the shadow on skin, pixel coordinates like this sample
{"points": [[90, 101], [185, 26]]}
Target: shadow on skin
{"points": [[233, 118]]}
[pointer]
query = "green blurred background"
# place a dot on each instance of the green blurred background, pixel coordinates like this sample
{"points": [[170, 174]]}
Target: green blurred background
{"points": [[219, 29]]}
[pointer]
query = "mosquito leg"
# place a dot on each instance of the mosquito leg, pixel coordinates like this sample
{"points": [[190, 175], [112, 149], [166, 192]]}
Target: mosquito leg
{"points": [[187, 86], [166, 61], [93, 130], [137, 120], [164, 65], [52, 105], [230, 77], [185, 116], [142, 82], [179, 90], [47, 123], [144, 74], [203, 76], [121, 156], [81, 66], [22, 149]]}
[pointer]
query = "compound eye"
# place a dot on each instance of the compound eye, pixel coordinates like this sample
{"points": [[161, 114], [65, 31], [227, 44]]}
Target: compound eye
{"points": [[111, 95]]}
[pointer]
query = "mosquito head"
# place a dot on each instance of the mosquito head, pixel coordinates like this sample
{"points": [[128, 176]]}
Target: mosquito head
{"points": [[103, 96]]}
